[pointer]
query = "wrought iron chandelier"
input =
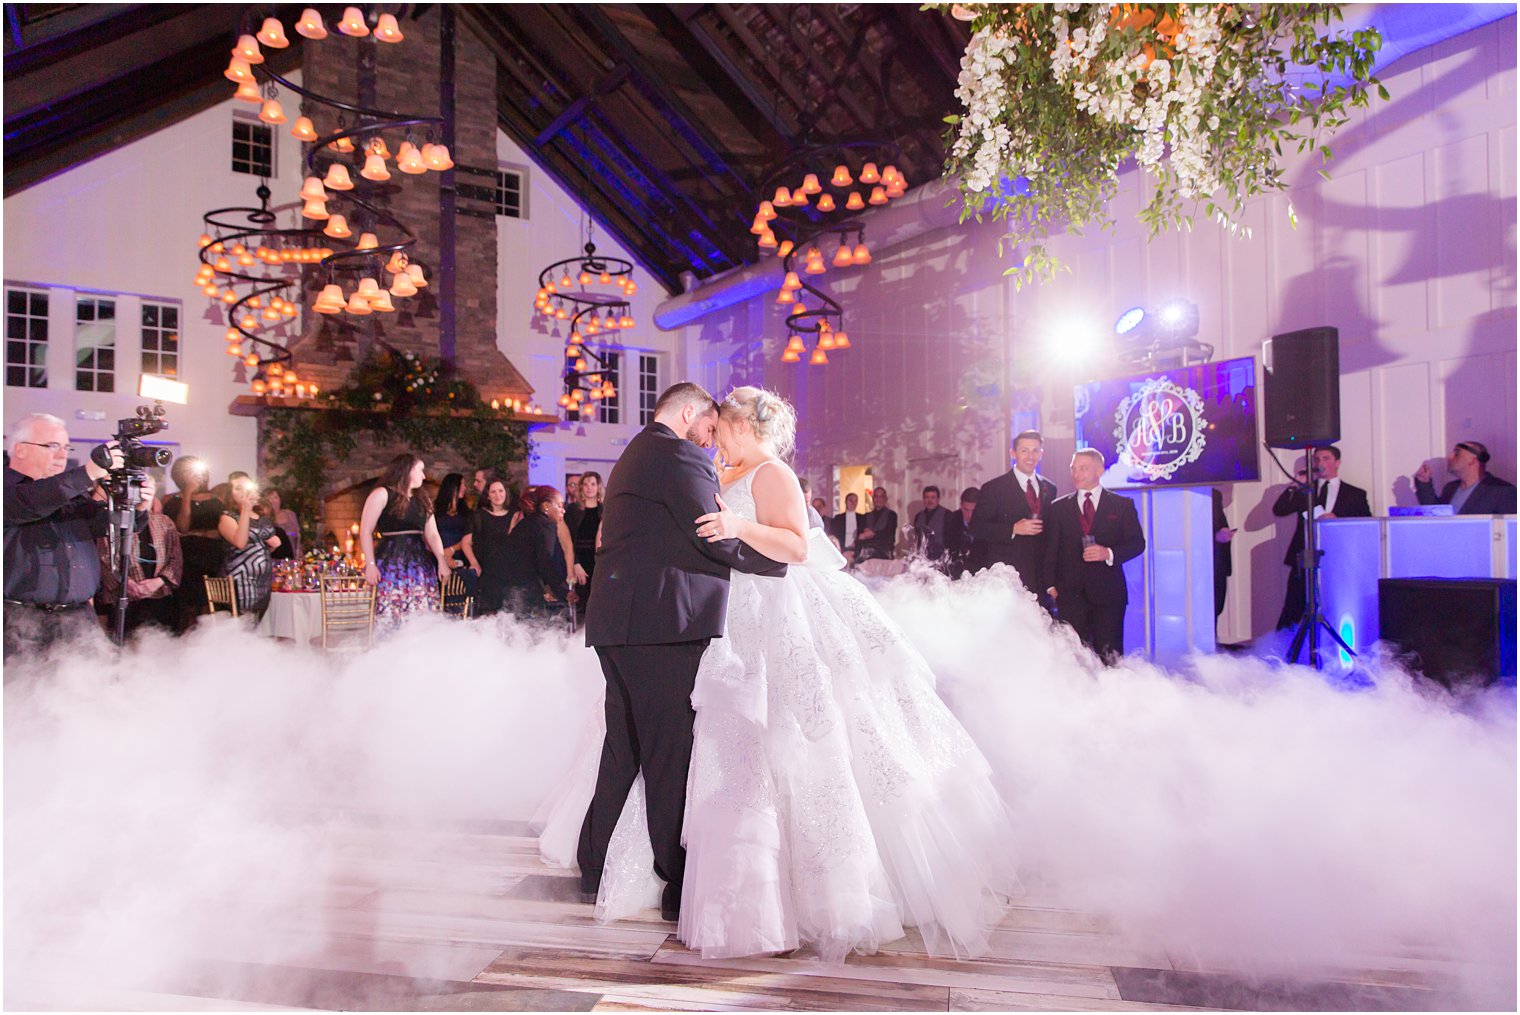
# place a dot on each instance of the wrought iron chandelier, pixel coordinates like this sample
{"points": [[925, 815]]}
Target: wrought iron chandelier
{"points": [[232, 248], [590, 293]]}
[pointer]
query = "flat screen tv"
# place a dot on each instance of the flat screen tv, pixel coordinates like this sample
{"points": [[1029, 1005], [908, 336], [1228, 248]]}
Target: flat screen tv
{"points": [[1187, 426]]}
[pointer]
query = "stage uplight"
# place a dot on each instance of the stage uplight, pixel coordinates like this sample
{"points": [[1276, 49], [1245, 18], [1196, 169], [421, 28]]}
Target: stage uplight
{"points": [[1129, 320], [1178, 318]]}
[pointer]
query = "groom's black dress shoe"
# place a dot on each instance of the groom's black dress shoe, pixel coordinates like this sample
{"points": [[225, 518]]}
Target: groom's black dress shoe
{"points": [[588, 898], [670, 903]]}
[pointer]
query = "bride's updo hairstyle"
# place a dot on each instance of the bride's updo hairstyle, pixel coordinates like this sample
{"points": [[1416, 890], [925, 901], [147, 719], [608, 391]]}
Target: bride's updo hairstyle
{"points": [[770, 416]]}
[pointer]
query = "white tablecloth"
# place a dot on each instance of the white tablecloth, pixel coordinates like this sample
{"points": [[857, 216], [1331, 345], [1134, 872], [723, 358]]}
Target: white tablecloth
{"points": [[294, 615]]}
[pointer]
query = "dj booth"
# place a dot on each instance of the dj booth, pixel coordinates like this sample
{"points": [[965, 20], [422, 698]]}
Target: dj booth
{"points": [[1442, 588]]}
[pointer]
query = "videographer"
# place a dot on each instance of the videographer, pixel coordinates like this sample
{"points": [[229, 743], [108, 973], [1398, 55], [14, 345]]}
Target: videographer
{"points": [[52, 569]]}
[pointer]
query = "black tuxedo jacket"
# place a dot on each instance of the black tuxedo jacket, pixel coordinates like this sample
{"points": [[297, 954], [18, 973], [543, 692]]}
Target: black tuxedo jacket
{"points": [[1116, 526], [1000, 504], [1491, 496], [1350, 502], [657, 581], [836, 527]]}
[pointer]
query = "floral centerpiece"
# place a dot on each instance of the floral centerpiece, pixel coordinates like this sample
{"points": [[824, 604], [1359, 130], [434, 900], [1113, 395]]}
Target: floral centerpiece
{"points": [[1058, 98]]}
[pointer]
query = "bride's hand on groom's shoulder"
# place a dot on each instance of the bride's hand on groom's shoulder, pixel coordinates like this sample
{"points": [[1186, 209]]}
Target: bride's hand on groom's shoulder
{"points": [[720, 524]]}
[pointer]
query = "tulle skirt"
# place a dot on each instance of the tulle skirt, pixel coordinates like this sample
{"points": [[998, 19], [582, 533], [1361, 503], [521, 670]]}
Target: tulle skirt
{"points": [[833, 799]]}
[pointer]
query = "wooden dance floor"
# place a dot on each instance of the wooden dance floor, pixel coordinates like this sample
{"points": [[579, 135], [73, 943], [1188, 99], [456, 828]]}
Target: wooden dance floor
{"points": [[470, 920]]}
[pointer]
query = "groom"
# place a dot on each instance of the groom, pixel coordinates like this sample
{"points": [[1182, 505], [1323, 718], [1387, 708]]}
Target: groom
{"points": [[659, 595]]}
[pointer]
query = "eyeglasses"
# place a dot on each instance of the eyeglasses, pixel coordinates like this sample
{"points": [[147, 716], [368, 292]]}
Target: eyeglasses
{"points": [[53, 446]]}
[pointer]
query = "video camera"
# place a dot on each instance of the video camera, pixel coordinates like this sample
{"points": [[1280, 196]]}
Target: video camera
{"points": [[137, 457]]}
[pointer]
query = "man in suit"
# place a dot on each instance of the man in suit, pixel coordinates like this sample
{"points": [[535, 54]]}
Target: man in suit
{"points": [[960, 543], [1090, 534], [659, 595], [1333, 498], [1223, 566], [1475, 491], [1009, 523], [929, 527], [847, 526], [880, 536]]}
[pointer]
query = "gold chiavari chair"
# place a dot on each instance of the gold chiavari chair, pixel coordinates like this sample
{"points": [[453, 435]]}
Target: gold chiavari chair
{"points": [[348, 613], [220, 592], [454, 599]]}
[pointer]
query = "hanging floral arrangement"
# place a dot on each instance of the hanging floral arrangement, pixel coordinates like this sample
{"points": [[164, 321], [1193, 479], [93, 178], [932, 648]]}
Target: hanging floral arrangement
{"points": [[1204, 98]]}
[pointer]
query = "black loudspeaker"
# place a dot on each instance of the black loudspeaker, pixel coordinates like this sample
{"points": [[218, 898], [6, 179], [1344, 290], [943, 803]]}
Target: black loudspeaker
{"points": [[1462, 630], [1301, 393]]}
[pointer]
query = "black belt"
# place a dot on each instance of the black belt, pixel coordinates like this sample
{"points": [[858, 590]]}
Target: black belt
{"points": [[48, 607]]}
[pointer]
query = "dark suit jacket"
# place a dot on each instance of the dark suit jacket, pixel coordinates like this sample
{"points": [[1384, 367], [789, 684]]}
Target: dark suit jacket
{"points": [[1222, 563], [657, 581], [1491, 496], [1000, 504], [836, 527], [884, 544], [1116, 526], [924, 539], [1350, 502], [959, 544]]}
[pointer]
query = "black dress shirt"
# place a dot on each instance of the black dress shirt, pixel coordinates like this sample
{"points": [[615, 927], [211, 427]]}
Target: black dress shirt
{"points": [[50, 530]]}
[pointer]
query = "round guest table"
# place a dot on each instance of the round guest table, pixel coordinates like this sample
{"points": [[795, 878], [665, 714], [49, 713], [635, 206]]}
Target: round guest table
{"points": [[294, 615]]}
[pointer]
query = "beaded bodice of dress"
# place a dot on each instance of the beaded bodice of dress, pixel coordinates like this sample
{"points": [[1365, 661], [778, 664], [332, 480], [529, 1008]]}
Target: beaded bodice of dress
{"points": [[740, 496]]}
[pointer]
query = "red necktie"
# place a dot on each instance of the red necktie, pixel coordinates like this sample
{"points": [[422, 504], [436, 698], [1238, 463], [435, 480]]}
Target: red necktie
{"points": [[1088, 511], [1033, 498]]}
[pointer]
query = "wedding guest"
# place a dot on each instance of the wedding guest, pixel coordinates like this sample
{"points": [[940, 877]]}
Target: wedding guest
{"points": [[1474, 491], [478, 482], [196, 514], [154, 577], [572, 493], [929, 527], [583, 524], [250, 537], [485, 546], [960, 543], [534, 580], [1009, 523], [409, 562], [1092, 533], [821, 506], [285, 520], [879, 538], [815, 520], [451, 513], [847, 526], [1333, 498]]}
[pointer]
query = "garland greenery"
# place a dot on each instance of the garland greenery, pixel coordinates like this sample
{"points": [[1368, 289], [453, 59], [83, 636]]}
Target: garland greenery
{"points": [[389, 398], [1203, 97]]}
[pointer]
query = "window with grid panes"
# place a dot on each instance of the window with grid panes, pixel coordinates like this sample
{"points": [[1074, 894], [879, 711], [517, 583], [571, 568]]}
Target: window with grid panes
{"points": [[94, 344], [649, 387], [160, 339], [26, 338], [509, 195], [252, 147], [610, 410]]}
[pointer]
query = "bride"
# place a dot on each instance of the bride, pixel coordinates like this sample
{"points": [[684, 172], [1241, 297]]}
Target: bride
{"points": [[832, 798]]}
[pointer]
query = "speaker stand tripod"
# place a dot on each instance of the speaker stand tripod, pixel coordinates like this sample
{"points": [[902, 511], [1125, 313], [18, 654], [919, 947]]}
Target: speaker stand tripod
{"points": [[1309, 627]]}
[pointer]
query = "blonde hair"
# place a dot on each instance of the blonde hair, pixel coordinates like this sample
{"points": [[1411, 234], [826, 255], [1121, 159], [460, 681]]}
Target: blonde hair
{"points": [[770, 416]]}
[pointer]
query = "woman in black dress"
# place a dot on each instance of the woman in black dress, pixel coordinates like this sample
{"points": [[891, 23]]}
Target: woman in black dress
{"points": [[196, 515], [249, 537], [451, 513], [409, 561], [534, 573], [485, 546], [585, 524]]}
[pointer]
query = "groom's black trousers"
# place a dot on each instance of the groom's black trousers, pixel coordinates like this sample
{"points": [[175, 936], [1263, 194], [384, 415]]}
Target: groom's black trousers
{"points": [[649, 727]]}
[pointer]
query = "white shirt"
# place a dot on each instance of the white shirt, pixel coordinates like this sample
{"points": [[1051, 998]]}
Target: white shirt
{"points": [[849, 528], [1332, 491]]}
